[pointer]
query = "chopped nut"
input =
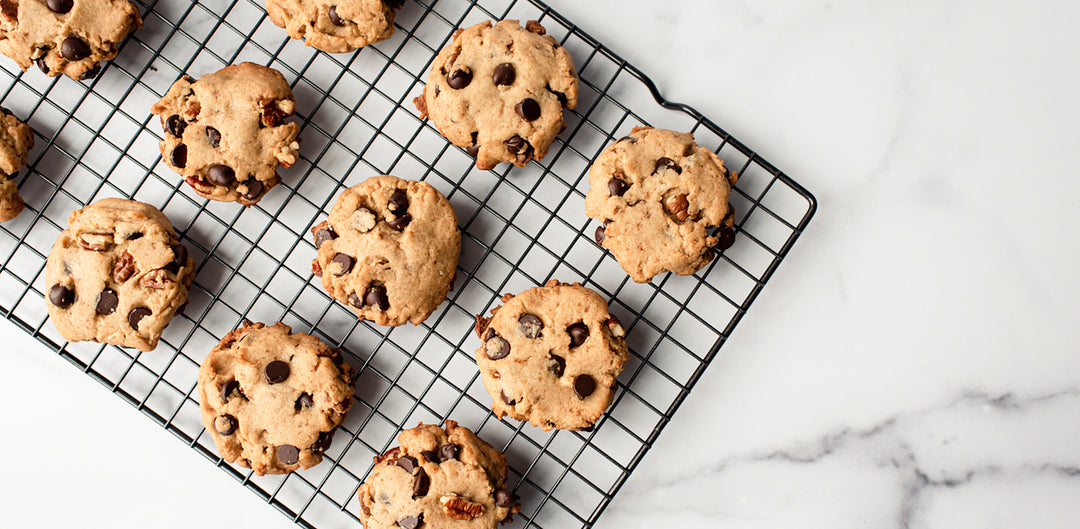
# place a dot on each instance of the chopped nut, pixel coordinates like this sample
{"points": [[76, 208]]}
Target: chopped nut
{"points": [[124, 268], [535, 27], [96, 241], [192, 110], [315, 268], [272, 115], [678, 206], [616, 328], [363, 220], [156, 279], [459, 508]]}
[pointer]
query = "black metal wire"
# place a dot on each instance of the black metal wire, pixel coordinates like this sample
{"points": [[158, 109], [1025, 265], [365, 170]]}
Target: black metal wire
{"points": [[675, 326]]}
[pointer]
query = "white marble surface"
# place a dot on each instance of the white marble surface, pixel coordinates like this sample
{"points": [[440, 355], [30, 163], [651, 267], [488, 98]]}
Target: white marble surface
{"points": [[912, 364]]}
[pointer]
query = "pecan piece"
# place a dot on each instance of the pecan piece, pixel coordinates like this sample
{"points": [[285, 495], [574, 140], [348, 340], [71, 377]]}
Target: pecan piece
{"points": [[156, 279], [535, 27], [274, 112], [678, 206], [459, 508], [315, 268], [97, 242], [123, 268]]}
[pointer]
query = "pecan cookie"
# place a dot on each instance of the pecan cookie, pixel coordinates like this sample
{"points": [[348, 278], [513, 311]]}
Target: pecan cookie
{"points": [[335, 26], [442, 478], [272, 398], [550, 355], [389, 249], [663, 201], [226, 133], [499, 91], [117, 275], [16, 139], [65, 36]]}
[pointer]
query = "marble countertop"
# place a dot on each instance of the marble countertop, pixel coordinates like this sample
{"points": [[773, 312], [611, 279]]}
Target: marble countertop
{"points": [[912, 363]]}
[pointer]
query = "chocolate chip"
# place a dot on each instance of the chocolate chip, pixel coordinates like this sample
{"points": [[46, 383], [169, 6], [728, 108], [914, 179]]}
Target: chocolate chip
{"points": [[509, 401], [288, 454], [630, 139], [136, 315], [228, 389], [376, 297], [59, 6], [473, 150], [221, 175], [557, 365], [354, 300], [667, 163], [323, 235], [459, 79], [398, 203], [304, 401], [322, 444], [254, 188], [407, 463], [91, 73], [345, 263], [74, 49], [617, 187], [496, 348], [400, 223], [579, 332], [430, 456], [503, 498], [175, 125], [42, 65], [411, 522], [179, 156], [530, 325], [727, 239], [337, 20], [213, 137], [518, 145], [504, 74], [584, 385], [225, 424], [600, 235], [277, 371], [560, 96], [180, 259], [61, 296], [134, 235], [107, 302], [421, 484], [6, 111], [450, 451], [529, 109]]}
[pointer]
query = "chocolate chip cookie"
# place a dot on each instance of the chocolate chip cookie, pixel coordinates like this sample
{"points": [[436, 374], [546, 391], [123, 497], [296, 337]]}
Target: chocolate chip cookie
{"points": [[663, 201], [442, 478], [499, 91], [550, 355], [67, 37], [335, 26], [117, 274], [226, 133], [389, 250], [16, 139], [272, 399]]}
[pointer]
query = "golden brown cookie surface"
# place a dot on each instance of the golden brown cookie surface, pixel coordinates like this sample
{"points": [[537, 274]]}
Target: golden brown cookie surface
{"points": [[663, 201], [16, 139], [272, 398]]}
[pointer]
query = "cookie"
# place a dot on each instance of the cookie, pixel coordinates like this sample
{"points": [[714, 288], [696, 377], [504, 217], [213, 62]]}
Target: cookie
{"points": [[550, 356], [663, 201], [226, 133], [117, 275], [445, 478], [68, 37], [335, 26], [499, 91], [389, 250], [16, 139], [272, 399]]}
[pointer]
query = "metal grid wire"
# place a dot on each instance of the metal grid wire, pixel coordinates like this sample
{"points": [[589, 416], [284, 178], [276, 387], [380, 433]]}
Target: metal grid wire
{"points": [[521, 227]]}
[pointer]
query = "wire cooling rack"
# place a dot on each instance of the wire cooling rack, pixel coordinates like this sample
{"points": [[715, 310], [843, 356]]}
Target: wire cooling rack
{"points": [[521, 227]]}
